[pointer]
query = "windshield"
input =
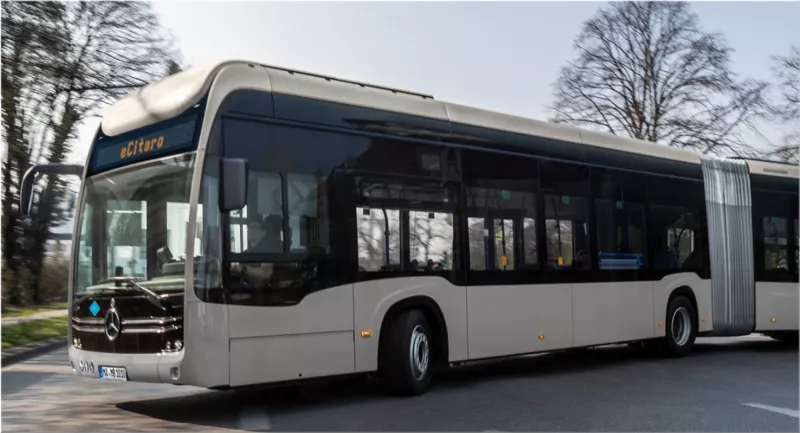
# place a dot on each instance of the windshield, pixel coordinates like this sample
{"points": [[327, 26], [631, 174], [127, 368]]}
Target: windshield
{"points": [[133, 227]]}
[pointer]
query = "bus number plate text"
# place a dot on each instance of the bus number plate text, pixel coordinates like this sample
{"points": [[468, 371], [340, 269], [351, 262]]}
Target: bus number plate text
{"points": [[113, 373]]}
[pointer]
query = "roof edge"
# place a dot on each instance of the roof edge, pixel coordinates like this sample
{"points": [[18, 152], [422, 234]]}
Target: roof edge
{"points": [[162, 99]]}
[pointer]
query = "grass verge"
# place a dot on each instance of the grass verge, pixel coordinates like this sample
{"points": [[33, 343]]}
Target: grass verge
{"points": [[33, 331], [12, 311]]}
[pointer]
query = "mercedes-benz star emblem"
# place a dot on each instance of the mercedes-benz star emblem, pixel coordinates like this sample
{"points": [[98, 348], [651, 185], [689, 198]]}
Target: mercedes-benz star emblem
{"points": [[113, 324]]}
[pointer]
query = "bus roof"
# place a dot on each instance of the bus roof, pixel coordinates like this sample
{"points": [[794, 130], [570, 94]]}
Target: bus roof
{"points": [[173, 95]]}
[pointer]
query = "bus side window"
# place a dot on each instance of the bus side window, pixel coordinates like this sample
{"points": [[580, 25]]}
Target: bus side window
{"points": [[500, 206], [502, 229], [376, 229], [565, 189], [674, 237], [776, 243], [283, 243], [416, 236], [567, 230], [620, 235]]}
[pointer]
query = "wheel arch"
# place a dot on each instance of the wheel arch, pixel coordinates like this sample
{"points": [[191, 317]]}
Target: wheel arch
{"points": [[433, 313]]}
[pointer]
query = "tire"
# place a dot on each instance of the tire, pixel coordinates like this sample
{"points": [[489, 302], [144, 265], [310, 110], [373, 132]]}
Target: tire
{"points": [[408, 359], [785, 337], [681, 328]]}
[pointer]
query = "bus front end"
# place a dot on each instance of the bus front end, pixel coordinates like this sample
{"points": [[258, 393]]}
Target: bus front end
{"points": [[129, 272], [130, 257], [141, 252]]}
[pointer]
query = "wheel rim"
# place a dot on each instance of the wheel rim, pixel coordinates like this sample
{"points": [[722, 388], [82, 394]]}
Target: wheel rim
{"points": [[681, 326], [419, 352]]}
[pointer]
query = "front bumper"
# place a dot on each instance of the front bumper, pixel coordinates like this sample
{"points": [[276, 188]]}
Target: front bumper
{"points": [[150, 367]]}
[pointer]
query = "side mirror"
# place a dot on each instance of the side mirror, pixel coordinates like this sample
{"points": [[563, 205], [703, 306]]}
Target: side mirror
{"points": [[26, 189], [234, 184]]}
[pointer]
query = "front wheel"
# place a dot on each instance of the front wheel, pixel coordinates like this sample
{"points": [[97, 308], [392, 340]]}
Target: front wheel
{"points": [[681, 327], [407, 358]]}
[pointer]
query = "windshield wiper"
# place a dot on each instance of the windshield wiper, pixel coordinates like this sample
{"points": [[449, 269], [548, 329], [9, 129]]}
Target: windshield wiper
{"points": [[78, 301], [148, 294]]}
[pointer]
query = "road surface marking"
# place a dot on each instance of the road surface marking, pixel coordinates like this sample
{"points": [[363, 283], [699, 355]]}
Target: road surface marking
{"points": [[790, 412], [254, 418]]}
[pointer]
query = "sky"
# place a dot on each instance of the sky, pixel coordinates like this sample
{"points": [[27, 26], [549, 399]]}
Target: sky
{"points": [[492, 55]]}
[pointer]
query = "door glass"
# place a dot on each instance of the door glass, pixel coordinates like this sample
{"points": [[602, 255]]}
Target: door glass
{"points": [[776, 246], [377, 230], [477, 243], [431, 239], [504, 244], [567, 232]]}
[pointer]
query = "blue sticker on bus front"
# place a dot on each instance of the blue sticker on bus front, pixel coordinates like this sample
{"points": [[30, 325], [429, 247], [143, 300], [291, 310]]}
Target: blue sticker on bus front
{"points": [[94, 308]]}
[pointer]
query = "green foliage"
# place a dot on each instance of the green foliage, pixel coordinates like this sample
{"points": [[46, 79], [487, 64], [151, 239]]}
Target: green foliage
{"points": [[13, 311], [33, 331]]}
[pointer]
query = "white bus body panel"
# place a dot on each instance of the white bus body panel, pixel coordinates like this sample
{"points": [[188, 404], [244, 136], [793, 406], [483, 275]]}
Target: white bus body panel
{"points": [[207, 348], [163, 99], [664, 288], [612, 312], [463, 114], [140, 367], [372, 299], [778, 300], [310, 339], [311, 86], [507, 320], [767, 168]]}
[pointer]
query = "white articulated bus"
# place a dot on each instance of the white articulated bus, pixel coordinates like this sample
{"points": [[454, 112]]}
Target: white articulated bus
{"points": [[340, 228]]}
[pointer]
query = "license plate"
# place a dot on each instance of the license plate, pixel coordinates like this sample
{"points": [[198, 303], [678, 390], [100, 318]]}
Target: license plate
{"points": [[113, 373]]}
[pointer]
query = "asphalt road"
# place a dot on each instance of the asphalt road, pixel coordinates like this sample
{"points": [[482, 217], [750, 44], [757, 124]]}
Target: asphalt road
{"points": [[742, 384]]}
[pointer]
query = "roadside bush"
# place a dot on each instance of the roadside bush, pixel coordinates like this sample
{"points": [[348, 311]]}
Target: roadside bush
{"points": [[54, 278]]}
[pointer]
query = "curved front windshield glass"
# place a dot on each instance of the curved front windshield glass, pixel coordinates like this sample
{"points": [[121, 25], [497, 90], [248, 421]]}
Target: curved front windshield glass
{"points": [[134, 227]]}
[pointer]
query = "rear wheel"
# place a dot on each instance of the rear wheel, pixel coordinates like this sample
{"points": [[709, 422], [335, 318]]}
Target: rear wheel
{"points": [[408, 359], [681, 327]]}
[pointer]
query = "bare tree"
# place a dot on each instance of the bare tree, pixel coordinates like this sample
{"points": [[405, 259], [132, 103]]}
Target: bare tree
{"points": [[429, 237], [62, 61], [646, 70], [787, 110], [372, 230]]}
